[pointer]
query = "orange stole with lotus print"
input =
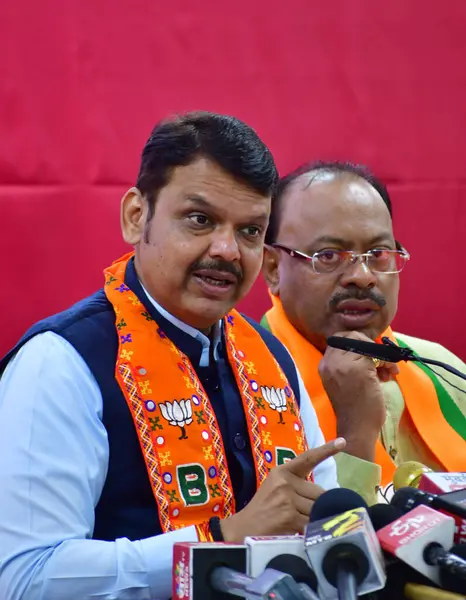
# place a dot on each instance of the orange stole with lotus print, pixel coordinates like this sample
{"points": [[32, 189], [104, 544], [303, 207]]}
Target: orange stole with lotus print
{"points": [[176, 425]]}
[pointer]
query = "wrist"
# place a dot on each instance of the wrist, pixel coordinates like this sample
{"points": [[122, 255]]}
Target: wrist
{"points": [[360, 444], [231, 531]]}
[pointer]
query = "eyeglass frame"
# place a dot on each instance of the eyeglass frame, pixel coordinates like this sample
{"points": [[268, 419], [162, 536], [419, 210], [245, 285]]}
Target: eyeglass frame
{"points": [[351, 253]]}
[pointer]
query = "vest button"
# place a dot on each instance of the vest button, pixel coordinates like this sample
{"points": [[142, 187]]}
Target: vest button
{"points": [[239, 441]]}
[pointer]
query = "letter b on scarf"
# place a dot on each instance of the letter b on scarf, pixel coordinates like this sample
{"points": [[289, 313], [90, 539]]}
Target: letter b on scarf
{"points": [[192, 483]]}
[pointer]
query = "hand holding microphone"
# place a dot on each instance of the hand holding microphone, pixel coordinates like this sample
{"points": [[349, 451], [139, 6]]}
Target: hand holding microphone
{"points": [[283, 502], [353, 385]]}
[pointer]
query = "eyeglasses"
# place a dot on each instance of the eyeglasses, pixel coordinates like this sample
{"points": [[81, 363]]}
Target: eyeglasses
{"points": [[378, 260]]}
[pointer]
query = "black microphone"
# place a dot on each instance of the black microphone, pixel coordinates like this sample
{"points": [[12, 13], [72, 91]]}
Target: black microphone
{"points": [[408, 498], [436, 556], [381, 351], [387, 351], [342, 546], [449, 580]]}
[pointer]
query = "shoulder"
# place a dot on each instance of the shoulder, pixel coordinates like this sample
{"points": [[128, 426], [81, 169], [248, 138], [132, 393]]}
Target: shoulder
{"points": [[48, 369], [85, 324]]}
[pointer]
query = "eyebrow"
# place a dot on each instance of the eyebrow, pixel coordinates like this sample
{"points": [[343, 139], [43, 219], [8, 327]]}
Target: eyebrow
{"points": [[201, 202], [330, 239]]}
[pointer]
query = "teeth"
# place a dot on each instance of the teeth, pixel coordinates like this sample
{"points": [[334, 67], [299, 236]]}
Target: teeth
{"points": [[212, 281]]}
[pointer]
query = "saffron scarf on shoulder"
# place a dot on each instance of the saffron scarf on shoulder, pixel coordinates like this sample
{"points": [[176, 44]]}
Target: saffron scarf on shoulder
{"points": [[176, 425], [433, 412]]}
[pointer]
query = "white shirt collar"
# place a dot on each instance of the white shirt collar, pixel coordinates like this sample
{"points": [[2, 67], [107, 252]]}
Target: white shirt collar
{"points": [[195, 333]]}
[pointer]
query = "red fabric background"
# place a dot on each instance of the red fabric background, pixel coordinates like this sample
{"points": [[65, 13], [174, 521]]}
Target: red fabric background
{"points": [[82, 84]]}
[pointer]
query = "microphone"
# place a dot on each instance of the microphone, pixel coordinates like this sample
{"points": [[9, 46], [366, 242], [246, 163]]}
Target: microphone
{"points": [[193, 563], [441, 483], [409, 474], [342, 546], [398, 572], [269, 584], [284, 553], [449, 580], [390, 353], [387, 351], [459, 499], [415, 538], [407, 498], [436, 556]]}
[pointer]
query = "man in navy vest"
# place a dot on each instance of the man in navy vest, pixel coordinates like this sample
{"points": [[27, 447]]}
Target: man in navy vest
{"points": [[80, 515]]}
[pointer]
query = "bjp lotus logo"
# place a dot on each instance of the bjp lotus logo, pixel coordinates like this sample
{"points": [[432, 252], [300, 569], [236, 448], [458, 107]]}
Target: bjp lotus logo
{"points": [[276, 399], [179, 414]]}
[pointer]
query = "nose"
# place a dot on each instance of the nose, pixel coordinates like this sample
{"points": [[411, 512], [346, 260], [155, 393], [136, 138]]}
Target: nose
{"points": [[358, 273], [224, 245]]}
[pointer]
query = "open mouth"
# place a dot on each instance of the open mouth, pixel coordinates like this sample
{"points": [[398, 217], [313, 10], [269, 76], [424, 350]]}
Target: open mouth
{"points": [[356, 313], [213, 280], [214, 283]]}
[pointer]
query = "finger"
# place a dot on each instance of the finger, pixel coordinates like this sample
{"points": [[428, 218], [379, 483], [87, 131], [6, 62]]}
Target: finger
{"points": [[301, 522], [303, 506], [306, 489], [303, 464]]}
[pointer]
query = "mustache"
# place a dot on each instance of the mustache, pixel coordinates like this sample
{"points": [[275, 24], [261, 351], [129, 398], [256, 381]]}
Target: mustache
{"points": [[357, 294], [218, 265]]}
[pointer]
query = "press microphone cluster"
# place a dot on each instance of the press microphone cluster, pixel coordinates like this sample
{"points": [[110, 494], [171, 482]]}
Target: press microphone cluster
{"points": [[347, 551]]}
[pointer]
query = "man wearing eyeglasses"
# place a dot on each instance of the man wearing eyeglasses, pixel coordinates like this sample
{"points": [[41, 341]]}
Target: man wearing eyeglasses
{"points": [[332, 265]]}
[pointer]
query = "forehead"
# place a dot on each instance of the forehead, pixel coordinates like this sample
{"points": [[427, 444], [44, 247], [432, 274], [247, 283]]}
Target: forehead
{"points": [[341, 206], [210, 185]]}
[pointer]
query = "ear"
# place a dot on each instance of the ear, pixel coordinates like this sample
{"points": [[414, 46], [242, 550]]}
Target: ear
{"points": [[270, 269], [133, 216]]}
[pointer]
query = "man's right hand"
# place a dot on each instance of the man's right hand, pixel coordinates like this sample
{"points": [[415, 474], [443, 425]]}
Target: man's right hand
{"points": [[353, 385], [282, 504]]}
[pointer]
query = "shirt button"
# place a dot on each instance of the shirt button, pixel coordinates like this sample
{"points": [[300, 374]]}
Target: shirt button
{"points": [[216, 387], [239, 441]]}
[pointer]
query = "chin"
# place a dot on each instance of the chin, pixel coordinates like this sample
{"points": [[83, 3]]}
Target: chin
{"points": [[205, 314]]}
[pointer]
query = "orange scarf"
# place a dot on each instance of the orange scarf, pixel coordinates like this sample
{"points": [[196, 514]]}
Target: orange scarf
{"points": [[418, 391], [176, 425]]}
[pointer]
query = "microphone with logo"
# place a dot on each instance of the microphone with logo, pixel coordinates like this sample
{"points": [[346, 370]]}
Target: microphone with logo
{"points": [[449, 488], [420, 538], [342, 547]]}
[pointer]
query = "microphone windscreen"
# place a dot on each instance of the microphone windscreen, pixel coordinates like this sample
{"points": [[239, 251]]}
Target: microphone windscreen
{"points": [[372, 349], [295, 566], [383, 514], [450, 581], [403, 497], [334, 502]]}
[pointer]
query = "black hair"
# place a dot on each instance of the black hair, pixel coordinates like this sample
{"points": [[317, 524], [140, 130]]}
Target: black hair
{"points": [[319, 166], [225, 140]]}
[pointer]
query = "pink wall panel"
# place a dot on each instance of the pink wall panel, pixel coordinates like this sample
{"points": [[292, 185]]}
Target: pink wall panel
{"points": [[81, 85]]}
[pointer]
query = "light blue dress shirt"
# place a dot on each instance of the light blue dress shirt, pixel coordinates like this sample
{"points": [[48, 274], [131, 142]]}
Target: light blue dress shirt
{"points": [[53, 464]]}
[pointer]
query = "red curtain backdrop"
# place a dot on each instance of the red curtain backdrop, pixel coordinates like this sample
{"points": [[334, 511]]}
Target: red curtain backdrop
{"points": [[82, 84]]}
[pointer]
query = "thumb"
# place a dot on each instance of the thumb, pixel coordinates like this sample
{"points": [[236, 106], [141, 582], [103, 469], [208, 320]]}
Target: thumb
{"points": [[303, 464]]}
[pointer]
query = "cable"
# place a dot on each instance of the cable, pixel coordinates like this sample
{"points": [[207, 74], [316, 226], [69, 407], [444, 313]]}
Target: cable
{"points": [[441, 376]]}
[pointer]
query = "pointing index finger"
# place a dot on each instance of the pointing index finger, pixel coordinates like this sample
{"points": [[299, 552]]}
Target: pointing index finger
{"points": [[303, 464]]}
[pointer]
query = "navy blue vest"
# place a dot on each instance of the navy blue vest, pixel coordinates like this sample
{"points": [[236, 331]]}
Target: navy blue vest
{"points": [[127, 507]]}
